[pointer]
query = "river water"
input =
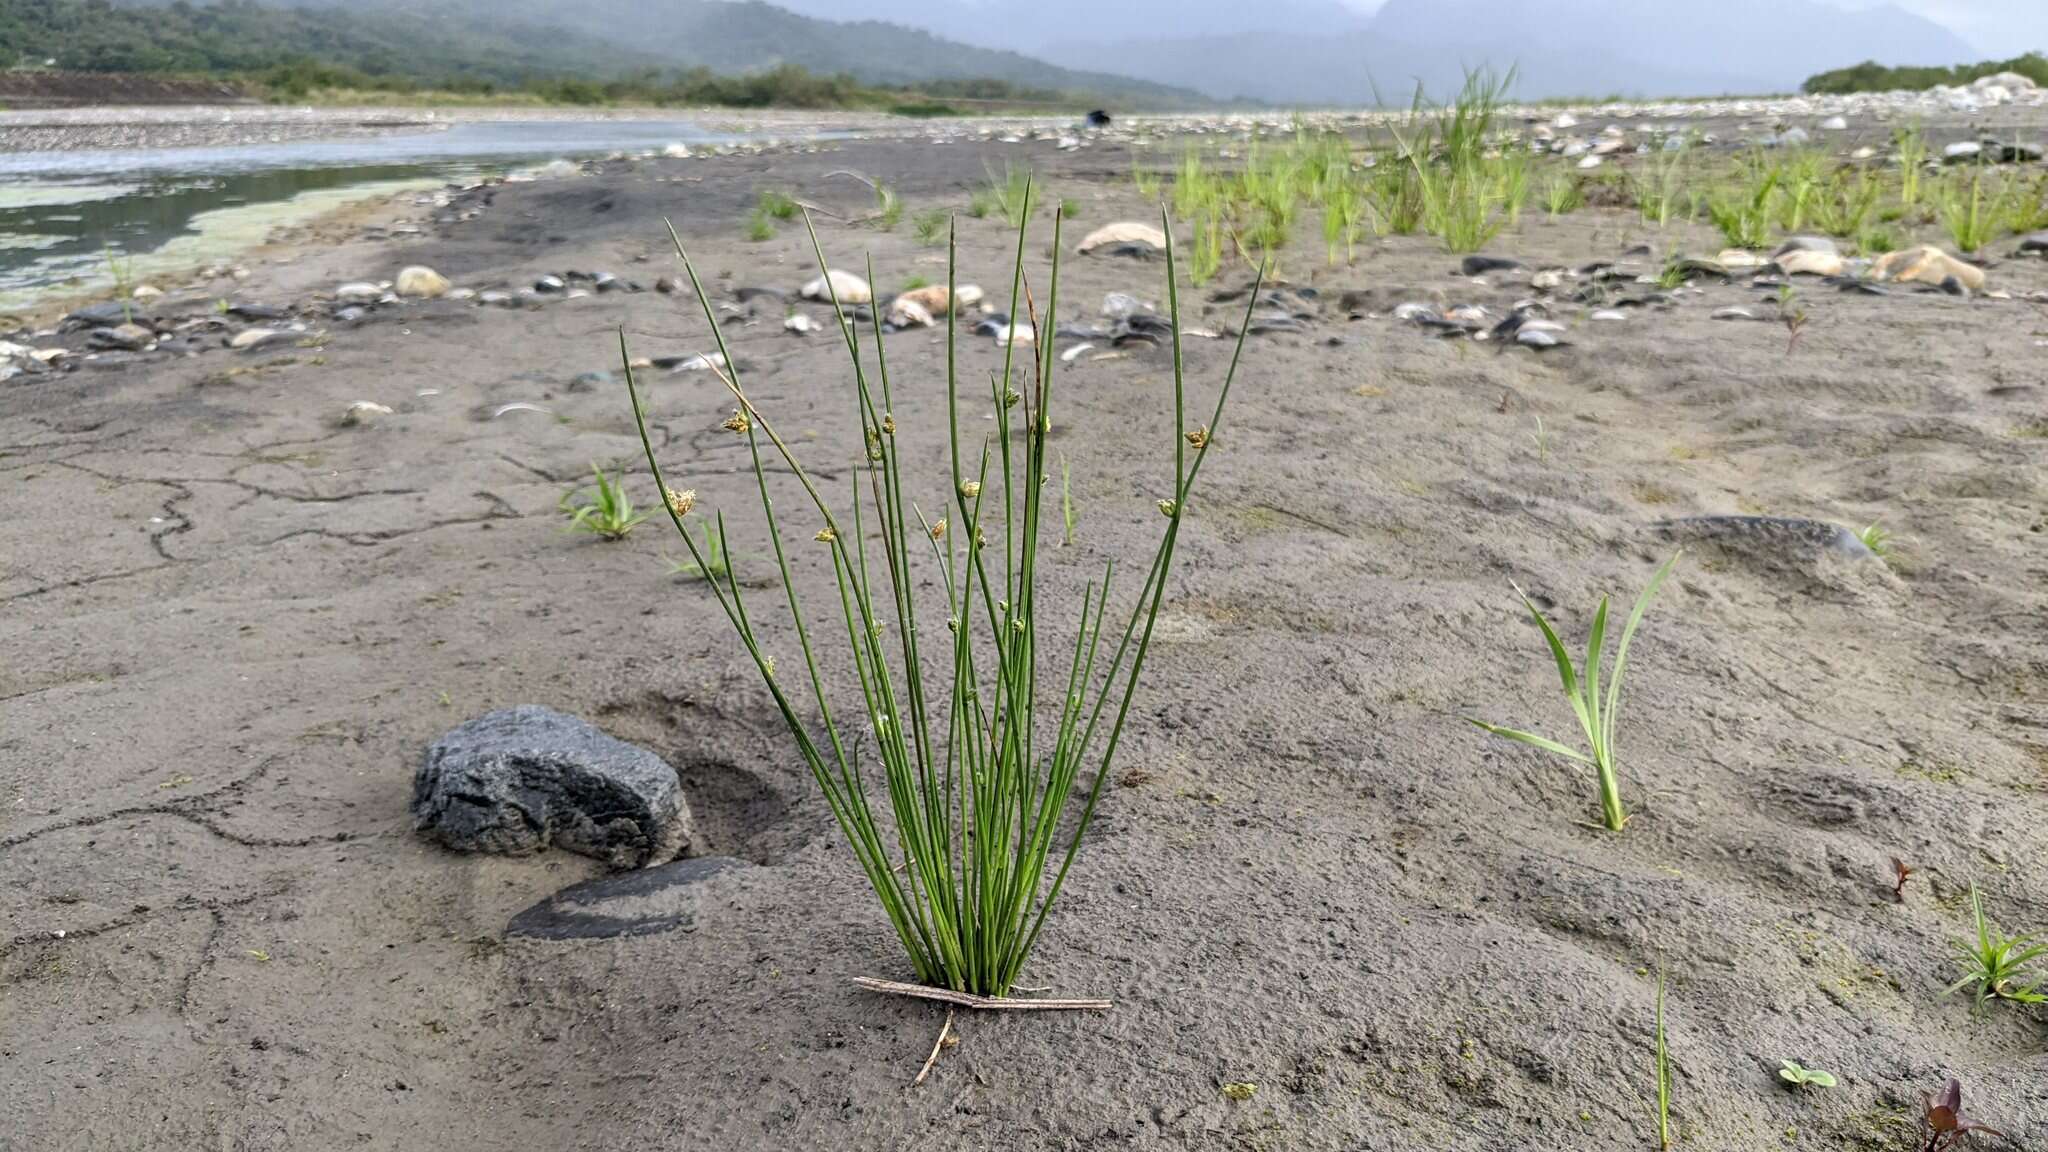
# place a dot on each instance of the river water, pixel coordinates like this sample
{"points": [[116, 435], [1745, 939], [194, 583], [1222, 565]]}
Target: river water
{"points": [[82, 221]]}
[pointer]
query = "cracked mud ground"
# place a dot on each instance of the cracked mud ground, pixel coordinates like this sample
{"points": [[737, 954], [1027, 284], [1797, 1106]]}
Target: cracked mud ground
{"points": [[231, 624]]}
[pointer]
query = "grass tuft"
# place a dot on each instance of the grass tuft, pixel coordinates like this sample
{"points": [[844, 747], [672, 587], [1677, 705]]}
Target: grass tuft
{"points": [[1995, 966], [1582, 690], [962, 843], [607, 512]]}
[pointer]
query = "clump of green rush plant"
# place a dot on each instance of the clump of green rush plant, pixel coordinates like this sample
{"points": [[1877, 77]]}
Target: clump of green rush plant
{"points": [[1582, 689], [962, 844], [607, 512], [714, 565]]}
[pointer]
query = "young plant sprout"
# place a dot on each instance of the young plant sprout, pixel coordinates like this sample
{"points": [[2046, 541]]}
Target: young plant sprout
{"points": [[1994, 962], [607, 513], [1662, 1067], [1943, 1120], [1582, 689], [979, 822], [1791, 1072]]}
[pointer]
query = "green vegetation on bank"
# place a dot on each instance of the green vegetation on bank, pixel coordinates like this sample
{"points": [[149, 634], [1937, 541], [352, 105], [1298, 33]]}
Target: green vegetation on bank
{"points": [[1870, 76], [310, 54]]}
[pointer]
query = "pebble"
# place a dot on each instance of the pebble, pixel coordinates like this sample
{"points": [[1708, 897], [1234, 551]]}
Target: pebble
{"points": [[421, 282], [800, 324], [1732, 314], [250, 338], [495, 298], [1834, 124], [549, 284], [1927, 264], [839, 284], [1609, 314], [1481, 265], [359, 292], [362, 411], [122, 338], [1123, 233]]}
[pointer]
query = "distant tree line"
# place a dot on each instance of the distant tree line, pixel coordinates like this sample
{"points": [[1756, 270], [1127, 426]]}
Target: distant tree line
{"points": [[1870, 76], [297, 53]]}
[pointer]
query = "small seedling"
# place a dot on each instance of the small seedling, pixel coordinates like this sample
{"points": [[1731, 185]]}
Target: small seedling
{"points": [[715, 566], [1791, 1072], [759, 227], [778, 206], [607, 513], [1582, 690], [1902, 872], [930, 227], [1792, 316], [888, 207], [1241, 1090], [1876, 538], [1663, 1071], [1994, 962], [1942, 1116]]}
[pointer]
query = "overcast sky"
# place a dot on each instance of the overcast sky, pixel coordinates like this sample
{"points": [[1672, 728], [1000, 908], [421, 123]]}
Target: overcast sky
{"points": [[1999, 28]]}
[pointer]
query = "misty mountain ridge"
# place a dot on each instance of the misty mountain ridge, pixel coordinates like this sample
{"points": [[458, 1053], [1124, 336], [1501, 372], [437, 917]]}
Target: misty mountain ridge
{"points": [[1323, 52]]}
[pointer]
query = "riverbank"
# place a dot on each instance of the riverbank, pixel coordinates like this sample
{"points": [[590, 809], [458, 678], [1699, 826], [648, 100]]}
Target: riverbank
{"points": [[247, 586]]}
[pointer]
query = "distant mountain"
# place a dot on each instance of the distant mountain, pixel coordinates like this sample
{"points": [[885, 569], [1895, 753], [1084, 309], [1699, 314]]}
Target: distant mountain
{"points": [[727, 37], [1040, 24], [744, 36], [1561, 47]]}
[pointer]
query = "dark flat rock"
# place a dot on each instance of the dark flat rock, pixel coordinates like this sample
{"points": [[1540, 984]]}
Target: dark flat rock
{"points": [[520, 780], [641, 903]]}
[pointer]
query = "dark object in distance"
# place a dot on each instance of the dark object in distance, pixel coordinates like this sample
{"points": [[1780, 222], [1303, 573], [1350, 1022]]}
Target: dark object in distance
{"points": [[1098, 119]]}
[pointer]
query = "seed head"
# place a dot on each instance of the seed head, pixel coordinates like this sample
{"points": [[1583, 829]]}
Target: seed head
{"points": [[738, 422], [1168, 508], [1199, 438], [889, 424], [826, 535], [939, 530], [680, 503], [1011, 397], [970, 489]]}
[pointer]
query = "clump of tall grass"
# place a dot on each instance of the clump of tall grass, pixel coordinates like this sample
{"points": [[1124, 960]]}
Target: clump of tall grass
{"points": [[1659, 188], [963, 842], [1742, 212], [1009, 194], [1845, 201], [1909, 144], [1447, 149], [1970, 221], [1597, 718], [1563, 194]]}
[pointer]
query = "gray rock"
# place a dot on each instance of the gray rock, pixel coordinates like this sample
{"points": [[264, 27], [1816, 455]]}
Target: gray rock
{"points": [[519, 780], [1480, 265], [2034, 244], [640, 903], [549, 284], [1806, 244], [121, 338], [493, 298], [104, 315]]}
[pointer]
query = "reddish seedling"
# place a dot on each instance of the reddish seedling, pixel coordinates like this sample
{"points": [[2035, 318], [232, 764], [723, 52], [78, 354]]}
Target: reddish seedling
{"points": [[1945, 1123], [1902, 872]]}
